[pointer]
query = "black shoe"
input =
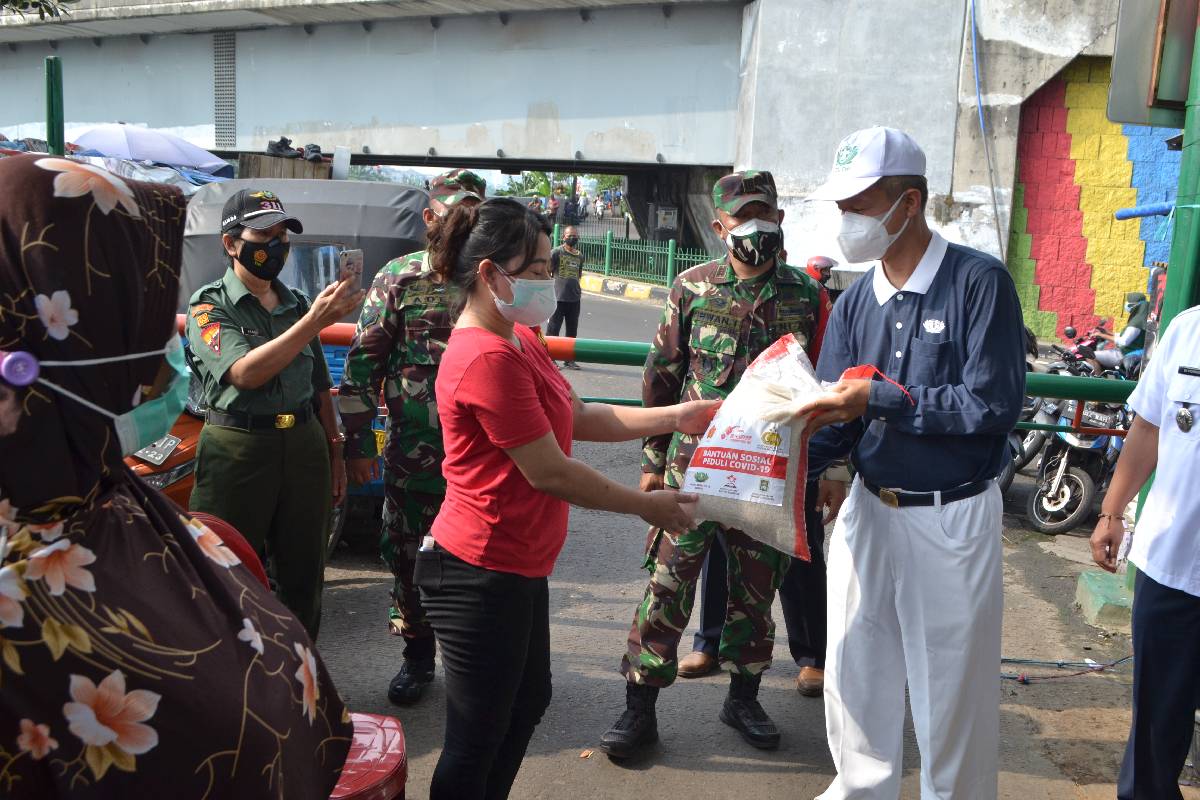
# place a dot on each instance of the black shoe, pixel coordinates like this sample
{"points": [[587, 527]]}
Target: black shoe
{"points": [[743, 713], [570, 365], [312, 152], [282, 149], [637, 727], [410, 682]]}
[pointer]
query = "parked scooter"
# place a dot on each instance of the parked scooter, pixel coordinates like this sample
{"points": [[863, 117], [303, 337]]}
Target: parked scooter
{"points": [[1075, 467]]}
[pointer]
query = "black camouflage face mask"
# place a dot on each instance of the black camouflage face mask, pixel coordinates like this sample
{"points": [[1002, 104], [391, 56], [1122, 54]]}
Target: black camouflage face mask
{"points": [[755, 242]]}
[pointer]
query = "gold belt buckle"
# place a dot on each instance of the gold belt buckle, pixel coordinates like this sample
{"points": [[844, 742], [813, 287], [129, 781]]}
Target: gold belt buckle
{"points": [[889, 498], [284, 421]]}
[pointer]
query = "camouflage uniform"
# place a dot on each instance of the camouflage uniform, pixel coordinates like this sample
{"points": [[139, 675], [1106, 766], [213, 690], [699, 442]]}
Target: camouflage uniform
{"points": [[714, 325], [402, 332]]}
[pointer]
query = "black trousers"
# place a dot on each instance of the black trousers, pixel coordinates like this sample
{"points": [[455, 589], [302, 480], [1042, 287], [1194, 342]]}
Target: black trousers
{"points": [[802, 595], [493, 629], [1166, 690], [567, 311]]}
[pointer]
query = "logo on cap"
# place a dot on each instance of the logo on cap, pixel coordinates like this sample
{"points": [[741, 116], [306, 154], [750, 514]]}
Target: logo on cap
{"points": [[845, 155], [265, 194]]}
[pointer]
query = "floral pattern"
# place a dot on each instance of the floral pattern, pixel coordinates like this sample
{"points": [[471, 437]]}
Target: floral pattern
{"points": [[56, 314], [12, 592], [77, 179], [62, 564], [211, 544], [251, 636], [35, 740], [307, 675], [138, 656]]}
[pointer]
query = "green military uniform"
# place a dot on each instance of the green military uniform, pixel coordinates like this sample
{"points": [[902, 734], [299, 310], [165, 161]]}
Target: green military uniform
{"points": [[397, 349], [262, 463], [401, 334], [714, 325]]}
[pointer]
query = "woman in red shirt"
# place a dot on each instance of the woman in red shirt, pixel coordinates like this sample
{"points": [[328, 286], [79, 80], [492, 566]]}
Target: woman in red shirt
{"points": [[508, 418]]}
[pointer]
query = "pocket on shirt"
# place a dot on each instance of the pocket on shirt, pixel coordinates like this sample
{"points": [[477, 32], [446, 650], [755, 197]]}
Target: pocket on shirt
{"points": [[424, 344], [1182, 390], [712, 359], [930, 363]]}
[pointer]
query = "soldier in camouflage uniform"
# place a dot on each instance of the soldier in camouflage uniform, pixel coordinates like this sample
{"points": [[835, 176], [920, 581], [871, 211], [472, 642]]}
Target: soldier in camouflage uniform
{"points": [[402, 332], [719, 317]]}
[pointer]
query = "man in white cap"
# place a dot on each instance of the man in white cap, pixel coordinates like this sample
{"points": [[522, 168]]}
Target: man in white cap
{"points": [[915, 589]]}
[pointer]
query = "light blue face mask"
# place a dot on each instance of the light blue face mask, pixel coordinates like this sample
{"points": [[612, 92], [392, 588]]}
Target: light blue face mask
{"points": [[146, 422]]}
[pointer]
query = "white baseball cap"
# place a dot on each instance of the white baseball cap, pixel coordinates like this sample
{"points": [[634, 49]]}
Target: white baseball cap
{"points": [[865, 156]]}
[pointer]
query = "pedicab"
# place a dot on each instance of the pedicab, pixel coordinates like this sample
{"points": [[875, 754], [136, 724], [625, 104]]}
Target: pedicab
{"points": [[383, 220]]}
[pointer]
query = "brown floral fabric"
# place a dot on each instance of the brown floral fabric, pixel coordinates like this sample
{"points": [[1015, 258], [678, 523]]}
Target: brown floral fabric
{"points": [[138, 656]]}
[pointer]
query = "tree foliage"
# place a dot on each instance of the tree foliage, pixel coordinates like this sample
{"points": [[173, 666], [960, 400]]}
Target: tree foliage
{"points": [[527, 184], [45, 9], [610, 182]]}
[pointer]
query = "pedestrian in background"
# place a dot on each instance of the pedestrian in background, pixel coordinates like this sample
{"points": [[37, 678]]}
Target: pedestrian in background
{"points": [[269, 460], [719, 317], [566, 265], [915, 589], [402, 332], [1164, 436], [508, 418]]}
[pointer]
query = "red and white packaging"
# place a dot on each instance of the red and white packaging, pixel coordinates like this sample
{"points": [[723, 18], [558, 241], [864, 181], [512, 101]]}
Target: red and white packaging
{"points": [[751, 466]]}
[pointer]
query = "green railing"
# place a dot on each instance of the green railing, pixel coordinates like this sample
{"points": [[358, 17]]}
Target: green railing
{"points": [[637, 259], [1037, 384]]}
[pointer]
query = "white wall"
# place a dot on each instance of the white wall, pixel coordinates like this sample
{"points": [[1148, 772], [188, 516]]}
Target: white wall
{"points": [[166, 83], [818, 69], [627, 85]]}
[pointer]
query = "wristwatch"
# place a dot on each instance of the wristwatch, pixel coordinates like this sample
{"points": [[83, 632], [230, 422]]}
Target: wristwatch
{"points": [[339, 438]]}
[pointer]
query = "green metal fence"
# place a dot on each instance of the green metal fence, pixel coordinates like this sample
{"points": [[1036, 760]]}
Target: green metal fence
{"points": [[636, 259]]}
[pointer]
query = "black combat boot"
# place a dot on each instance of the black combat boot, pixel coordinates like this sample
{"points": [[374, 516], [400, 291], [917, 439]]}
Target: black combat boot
{"points": [[411, 681], [742, 711], [637, 727]]}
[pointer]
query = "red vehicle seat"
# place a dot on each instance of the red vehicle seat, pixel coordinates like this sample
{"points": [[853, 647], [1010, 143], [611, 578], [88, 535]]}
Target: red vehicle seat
{"points": [[235, 542], [377, 765]]}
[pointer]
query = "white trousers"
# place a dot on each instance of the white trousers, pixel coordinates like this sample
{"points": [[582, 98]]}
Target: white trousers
{"points": [[915, 594]]}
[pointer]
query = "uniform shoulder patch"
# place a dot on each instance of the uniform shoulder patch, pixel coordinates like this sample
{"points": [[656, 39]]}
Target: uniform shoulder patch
{"points": [[211, 334]]}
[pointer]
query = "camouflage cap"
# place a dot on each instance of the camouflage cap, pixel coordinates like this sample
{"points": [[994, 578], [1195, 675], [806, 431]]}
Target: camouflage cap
{"points": [[456, 185], [734, 191]]}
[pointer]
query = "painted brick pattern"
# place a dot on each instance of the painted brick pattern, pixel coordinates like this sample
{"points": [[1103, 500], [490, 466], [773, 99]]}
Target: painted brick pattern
{"points": [[1071, 261]]}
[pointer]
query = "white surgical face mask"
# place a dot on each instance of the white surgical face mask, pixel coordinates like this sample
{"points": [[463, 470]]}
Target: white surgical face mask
{"points": [[146, 422], [533, 301], [865, 238]]}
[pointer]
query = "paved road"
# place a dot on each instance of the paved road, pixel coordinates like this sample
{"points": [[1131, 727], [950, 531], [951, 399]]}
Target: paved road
{"points": [[1061, 739]]}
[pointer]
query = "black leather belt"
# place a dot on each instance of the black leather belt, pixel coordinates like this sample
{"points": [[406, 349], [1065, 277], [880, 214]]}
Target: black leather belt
{"points": [[256, 422], [897, 499]]}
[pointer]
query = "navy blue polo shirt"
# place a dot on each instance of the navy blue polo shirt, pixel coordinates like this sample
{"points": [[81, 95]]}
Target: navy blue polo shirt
{"points": [[953, 337]]}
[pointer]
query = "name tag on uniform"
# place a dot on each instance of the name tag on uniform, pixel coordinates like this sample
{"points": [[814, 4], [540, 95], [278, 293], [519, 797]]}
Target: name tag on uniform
{"points": [[1191, 371], [716, 320]]}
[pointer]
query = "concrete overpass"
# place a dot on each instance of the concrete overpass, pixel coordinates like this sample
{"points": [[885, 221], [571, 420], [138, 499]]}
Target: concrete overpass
{"points": [[671, 93]]}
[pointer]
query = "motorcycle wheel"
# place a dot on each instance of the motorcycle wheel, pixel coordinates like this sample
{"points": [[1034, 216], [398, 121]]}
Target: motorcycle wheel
{"points": [[1031, 445], [337, 522], [1065, 509]]}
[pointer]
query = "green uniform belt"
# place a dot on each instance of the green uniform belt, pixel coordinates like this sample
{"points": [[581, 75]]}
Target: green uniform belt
{"points": [[251, 422]]}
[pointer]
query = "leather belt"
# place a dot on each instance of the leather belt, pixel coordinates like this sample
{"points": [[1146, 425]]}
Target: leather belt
{"points": [[898, 499], [256, 422]]}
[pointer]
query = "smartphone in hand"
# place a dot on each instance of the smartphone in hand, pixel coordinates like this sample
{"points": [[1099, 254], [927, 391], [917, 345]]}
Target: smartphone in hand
{"points": [[350, 266]]}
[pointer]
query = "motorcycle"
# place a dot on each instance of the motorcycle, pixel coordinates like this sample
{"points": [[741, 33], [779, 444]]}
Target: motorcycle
{"points": [[1075, 361], [1075, 466]]}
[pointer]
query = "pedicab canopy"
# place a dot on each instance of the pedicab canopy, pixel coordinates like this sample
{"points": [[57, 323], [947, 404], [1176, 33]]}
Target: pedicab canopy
{"points": [[381, 219]]}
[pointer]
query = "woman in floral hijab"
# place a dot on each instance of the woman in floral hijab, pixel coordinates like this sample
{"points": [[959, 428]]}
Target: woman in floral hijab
{"points": [[138, 656]]}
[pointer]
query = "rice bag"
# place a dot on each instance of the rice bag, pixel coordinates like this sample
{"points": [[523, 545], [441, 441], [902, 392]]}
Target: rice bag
{"points": [[750, 467]]}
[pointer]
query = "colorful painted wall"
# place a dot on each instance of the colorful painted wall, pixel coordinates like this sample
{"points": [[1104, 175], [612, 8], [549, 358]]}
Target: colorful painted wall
{"points": [[1072, 262]]}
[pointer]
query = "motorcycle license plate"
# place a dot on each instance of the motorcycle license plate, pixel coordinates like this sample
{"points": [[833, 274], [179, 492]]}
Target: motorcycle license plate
{"points": [[160, 451]]}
